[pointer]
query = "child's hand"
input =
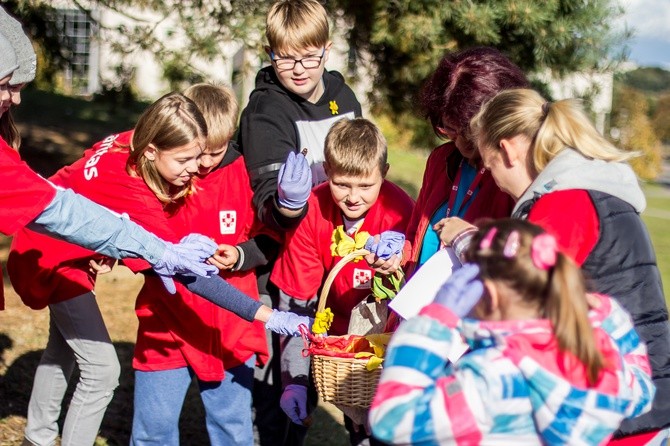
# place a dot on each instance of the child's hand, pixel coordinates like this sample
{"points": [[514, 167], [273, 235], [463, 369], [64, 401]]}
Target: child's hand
{"points": [[380, 265], [102, 266], [294, 403], [386, 244], [448, 228], [462, 291], [226, 257], [286, 323], [294, 183], [385, 251]]}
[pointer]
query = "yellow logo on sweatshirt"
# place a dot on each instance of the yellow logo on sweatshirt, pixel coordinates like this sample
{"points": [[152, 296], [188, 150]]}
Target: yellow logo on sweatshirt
{"points": [[334, 108]]}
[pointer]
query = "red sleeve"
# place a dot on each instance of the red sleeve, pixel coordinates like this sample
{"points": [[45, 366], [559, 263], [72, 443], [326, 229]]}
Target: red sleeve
{"points": [[572, 218], [435, 161], [299, 271], [23, 195]]}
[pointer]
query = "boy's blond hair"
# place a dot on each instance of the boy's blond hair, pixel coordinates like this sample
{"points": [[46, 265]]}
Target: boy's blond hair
{"points": [[219, 106], [296, 24], [355, 147]]}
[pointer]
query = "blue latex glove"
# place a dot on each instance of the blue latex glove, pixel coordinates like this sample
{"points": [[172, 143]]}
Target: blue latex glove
{"points": [[287, 323], [389, 243], [462, 291], [186, 257], [294, 402], [294, 183]]}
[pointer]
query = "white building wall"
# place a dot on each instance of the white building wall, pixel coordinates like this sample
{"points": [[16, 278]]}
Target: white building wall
{"points": [[148, 77], [597, 87]]}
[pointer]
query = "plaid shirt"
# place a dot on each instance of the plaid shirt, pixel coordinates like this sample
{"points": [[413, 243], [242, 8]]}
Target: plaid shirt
{"points": [[514, 386]]}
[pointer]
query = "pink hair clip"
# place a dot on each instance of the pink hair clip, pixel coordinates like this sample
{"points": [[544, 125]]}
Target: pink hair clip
{"points": [[511, 245], [488, 239], [543, 251]]}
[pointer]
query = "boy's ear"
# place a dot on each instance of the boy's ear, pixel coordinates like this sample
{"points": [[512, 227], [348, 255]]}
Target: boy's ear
{"points": [[268, 50], [150, 153], [328, 46], [326, 169], [385, 170]]}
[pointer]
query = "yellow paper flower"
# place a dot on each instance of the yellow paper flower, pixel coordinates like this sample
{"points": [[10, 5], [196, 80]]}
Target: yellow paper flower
{"points": [[334, 108], [378, 342], [373, 363], [322, 321], [343, 244]]}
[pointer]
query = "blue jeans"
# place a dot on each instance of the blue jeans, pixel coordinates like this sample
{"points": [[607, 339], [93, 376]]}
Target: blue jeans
{"points": [[159, 397]]}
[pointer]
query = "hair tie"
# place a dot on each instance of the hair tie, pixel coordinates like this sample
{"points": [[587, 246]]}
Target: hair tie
{"points": [[488, 239], [545, 109], [511, 244], [543, 251]]}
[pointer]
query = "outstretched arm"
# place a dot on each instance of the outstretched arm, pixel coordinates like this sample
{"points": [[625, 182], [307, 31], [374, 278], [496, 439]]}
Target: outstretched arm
{"points": [[223, 294], [76, 219]]}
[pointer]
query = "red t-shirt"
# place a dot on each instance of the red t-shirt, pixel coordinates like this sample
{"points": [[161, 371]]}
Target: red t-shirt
{"points": [[44, 270], [571, 217], [306, 258], [23, 196], [184, 329]]}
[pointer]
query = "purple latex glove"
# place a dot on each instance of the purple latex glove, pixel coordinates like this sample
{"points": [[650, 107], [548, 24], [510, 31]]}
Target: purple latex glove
{"points": [[287, 323], [294, 183], [462, 290], [294, 402], [186, 257], [389, 243]]}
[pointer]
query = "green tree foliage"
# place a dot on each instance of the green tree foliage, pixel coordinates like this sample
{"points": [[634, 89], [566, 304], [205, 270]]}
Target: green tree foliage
{"points": [[636, 132], [406, 38]]}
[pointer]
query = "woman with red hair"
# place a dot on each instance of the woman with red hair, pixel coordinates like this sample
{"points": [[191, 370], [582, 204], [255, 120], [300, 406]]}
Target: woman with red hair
{"points": [[455, 182]]}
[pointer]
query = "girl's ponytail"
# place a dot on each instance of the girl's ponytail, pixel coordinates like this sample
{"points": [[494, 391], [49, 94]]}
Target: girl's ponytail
{"points": [[526, 259], [567, 308]]}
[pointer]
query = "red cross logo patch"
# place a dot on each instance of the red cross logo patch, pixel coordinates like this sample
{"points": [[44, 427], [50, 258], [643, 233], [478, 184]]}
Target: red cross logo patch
{"points": [[362, 278], [227, 221]]}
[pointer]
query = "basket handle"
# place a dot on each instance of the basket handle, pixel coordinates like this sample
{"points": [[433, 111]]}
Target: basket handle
{"points": [[333, 273]]}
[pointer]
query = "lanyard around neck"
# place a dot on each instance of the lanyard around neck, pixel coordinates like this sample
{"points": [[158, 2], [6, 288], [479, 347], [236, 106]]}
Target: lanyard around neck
{"points": [[468, 194]]}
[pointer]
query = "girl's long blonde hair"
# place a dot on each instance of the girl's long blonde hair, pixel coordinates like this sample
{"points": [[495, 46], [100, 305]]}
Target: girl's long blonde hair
{"points": [[170, 122], [557, 290], [551, 126]]}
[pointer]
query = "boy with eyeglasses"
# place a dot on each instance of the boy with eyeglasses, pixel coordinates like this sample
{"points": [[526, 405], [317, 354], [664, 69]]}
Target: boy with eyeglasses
{"points": [[293, 106]]}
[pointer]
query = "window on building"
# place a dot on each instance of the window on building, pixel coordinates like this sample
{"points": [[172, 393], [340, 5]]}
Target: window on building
{"points": [[75, 29]]}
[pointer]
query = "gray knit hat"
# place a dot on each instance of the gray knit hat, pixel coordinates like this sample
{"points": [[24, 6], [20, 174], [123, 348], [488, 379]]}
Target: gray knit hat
{"points": [[7, 58], [25, 54]]}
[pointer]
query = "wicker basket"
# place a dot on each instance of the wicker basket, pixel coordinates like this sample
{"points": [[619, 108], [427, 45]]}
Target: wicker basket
{"points": [[343, 381]]}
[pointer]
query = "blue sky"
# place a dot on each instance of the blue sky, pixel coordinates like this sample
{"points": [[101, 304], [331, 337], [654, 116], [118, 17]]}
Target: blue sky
{"points": [[650, 20]]}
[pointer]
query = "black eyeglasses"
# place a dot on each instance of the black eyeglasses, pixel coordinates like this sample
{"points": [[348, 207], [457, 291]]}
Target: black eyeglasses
{"points": [[286, 63]]}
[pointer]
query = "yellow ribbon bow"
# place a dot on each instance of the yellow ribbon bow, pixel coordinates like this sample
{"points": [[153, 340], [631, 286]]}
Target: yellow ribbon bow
{"points": [[343, 243]]}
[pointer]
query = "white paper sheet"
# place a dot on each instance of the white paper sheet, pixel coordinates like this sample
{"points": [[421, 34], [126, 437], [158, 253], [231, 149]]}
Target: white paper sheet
{"points": [[421, 289]]}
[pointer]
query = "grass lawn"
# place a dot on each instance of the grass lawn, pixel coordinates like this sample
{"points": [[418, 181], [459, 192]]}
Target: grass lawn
{"points": [[657, 219], [56, 129]]}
